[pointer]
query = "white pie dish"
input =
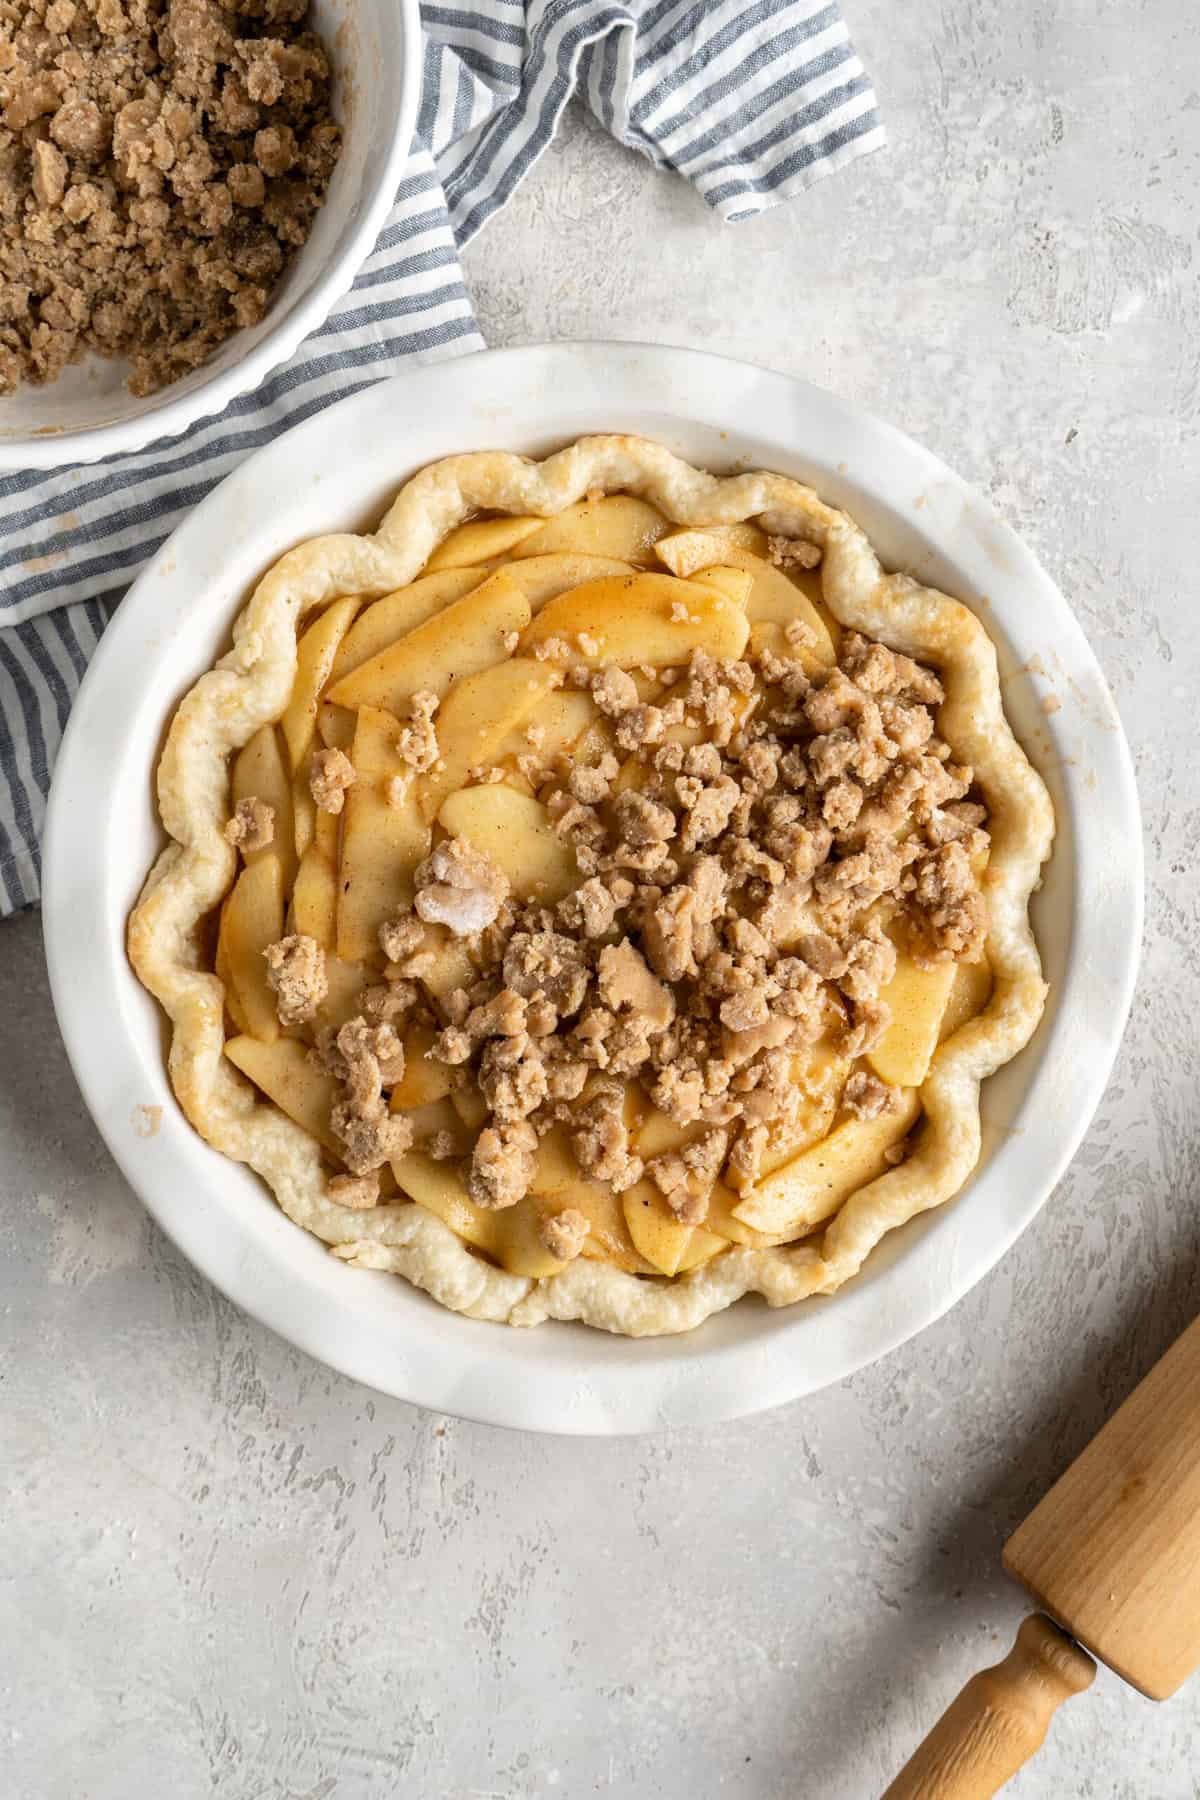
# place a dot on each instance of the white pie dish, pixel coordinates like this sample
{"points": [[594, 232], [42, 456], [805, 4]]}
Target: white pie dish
{"points": [[337, 472], [88, 413]]}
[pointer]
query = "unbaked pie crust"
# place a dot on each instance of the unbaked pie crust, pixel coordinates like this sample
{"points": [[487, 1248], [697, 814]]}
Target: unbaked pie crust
{"points": [[251, 686]]}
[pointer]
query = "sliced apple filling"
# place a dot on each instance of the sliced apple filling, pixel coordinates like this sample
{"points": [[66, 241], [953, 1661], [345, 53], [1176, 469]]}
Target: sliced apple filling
{"points": [[600, 896]]}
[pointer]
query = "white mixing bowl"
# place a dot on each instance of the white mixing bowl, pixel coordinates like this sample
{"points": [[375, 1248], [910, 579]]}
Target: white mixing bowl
{"points": [[88, 412], [337, 472]]}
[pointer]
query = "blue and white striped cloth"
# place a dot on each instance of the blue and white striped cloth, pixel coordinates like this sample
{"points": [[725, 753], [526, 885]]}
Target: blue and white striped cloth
{"points": [[751, 100]]}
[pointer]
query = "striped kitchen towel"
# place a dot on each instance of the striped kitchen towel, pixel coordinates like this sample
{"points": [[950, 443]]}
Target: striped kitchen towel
{"points": [[751, 100]]}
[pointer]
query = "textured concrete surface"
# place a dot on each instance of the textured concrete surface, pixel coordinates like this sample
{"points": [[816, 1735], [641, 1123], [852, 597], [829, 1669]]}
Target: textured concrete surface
{"points": [[228, 1571]]}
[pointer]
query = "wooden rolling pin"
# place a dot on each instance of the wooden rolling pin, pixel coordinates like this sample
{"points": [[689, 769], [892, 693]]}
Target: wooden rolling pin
{"points": [[1113, 1554]]}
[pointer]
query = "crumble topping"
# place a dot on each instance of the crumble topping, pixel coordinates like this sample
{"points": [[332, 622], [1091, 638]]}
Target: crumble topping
{"points": [[601, 1143], [460, 887], [416, 742], [740, 900], [866, 1097], [296, 971], [330, 773], [626, 984], [251, 826], [591, 783], [793, 553], [685, 1177], [502, 1164], [364, 1058], [547, 966], [951, 915], [162, 162], [405, 943], [387, 1001], [564, 1234]]}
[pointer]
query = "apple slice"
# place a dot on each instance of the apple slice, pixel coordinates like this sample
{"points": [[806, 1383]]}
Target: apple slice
{"points": [[313, 909], [702, 1246], [802, 1193], [425, 1079], [383, 839], [640, 619], [396, 614], [655, 1133], [475, 718], [439, 1188], [633, 773], [304, 811], [556, 1170], [567, 718], [459, 641], [687, 552], [519, 1248], [917, 1001], [819, 1075], [658, 1235], [722, 1220], [617, 526], [776, 599], [671, 1246], [224, 973], [735, 584], [343, 1000], [259, 773], [780, 599], [470, 1106], [515, 831], [970, 992], [314, 659], [284, 1073], [766, 635], [559, 1182], [253, 918], [480, 541], [335, 726], [432, 1117], [684, 552], [510, 1237], [542, 578]]}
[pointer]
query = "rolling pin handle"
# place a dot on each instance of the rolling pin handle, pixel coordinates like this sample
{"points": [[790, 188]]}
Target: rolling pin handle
{"points": [[998, 1720]]}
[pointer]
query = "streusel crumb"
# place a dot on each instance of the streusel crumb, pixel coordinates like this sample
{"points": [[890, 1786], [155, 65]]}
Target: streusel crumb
{"points": [[330, 774], [364, 1059], [251, 826], [793, 553], [296, 971], [417, 743], [459, 887], [564, 1234]]}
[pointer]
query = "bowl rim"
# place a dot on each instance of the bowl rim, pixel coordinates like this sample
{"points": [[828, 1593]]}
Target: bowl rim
{"points": [[46, 450], [589, 1384]]}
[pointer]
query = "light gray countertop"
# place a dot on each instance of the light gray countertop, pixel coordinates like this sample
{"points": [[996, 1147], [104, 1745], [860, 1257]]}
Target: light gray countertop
{"points": [[226, 1570]]}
